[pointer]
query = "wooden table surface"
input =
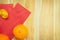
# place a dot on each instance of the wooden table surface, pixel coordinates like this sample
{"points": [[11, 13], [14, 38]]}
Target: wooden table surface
{"points": [[44, 20]]}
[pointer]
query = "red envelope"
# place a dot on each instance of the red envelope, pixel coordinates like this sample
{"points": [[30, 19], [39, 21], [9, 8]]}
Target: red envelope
{"points": [[17, 15]]}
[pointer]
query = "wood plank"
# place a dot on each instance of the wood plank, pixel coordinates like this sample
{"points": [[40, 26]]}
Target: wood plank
{"points": [[37, 19], [57, 19], [30, 5], [46, 20], [3, 1]]}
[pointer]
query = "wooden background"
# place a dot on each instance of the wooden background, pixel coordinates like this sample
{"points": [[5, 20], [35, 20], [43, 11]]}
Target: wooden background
{"points": [[44, 20]]}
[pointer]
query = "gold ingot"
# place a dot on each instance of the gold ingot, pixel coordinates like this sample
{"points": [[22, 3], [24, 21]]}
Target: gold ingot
{"points": [[3, 13]]}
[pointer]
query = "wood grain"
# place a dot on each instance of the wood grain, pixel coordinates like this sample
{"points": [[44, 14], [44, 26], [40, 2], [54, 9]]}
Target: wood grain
{"points": [[46, 20], [57, 19], [3, 1], [48, 27]]}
